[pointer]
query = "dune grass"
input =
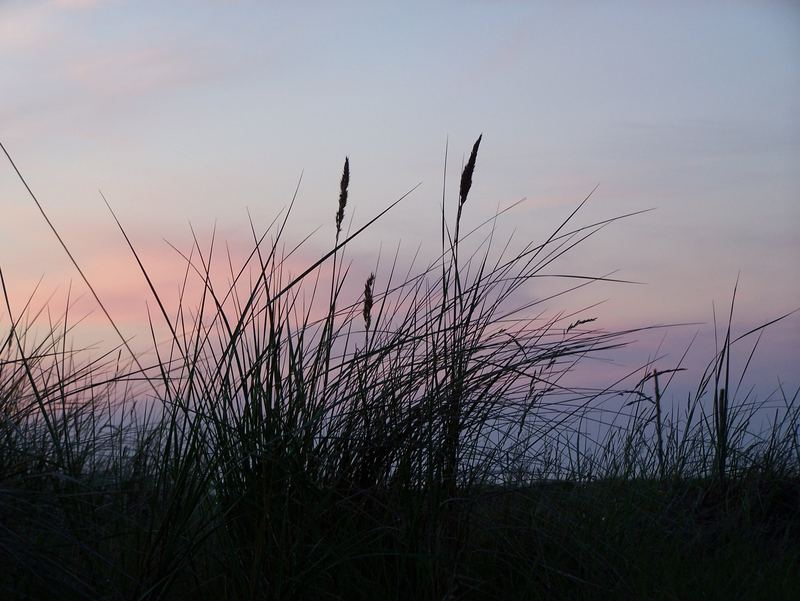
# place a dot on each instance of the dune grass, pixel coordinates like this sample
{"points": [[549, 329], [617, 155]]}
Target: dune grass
{"points": [[417, 442]]}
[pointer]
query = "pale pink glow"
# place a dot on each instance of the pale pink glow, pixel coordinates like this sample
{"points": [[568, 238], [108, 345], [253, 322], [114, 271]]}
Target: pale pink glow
{"points": [[24, 27], [123, 290]]}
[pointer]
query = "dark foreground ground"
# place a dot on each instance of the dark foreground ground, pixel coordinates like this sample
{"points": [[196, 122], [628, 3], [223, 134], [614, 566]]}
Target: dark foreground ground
{"points": [[603, 540]]}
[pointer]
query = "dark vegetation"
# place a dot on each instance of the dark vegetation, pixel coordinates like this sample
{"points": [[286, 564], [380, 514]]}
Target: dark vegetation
{"points": [[420, 442]]}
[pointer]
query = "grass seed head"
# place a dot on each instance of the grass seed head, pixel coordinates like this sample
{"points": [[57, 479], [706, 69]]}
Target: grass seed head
{"points": [[343, 195], [466, 175], [368, 300]]}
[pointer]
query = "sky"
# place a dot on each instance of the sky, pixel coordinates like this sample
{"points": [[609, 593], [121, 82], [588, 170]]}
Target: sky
{"points": [[198, 112]]}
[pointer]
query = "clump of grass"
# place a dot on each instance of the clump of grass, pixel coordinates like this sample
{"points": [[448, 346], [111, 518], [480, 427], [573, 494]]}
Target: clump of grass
{"points": [[263, 452]]}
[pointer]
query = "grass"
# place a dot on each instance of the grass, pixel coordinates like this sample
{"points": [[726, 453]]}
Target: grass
{"points": [[419, 441]]}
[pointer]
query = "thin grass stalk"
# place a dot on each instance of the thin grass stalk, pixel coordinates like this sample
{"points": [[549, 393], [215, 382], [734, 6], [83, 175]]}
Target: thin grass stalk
{"points": [[659, 428]]}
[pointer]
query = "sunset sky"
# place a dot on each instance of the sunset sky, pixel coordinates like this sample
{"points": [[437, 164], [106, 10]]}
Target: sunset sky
{"points": [[198, 111]]}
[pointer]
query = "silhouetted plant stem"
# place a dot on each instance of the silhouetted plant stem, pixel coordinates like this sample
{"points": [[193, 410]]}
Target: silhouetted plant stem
{"points": [[659, 435]]}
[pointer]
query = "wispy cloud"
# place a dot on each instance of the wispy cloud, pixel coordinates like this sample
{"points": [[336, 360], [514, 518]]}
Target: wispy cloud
{"points": [[136, 72], [59, 67], [31, 25], [78, 4]]}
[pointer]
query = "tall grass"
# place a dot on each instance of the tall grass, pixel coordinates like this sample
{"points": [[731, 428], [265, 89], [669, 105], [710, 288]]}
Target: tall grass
{"points": [[417, 441]]}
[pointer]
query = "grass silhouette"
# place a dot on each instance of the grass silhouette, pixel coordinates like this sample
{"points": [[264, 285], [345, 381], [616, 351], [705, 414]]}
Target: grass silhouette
{"points": [[416, 442]]}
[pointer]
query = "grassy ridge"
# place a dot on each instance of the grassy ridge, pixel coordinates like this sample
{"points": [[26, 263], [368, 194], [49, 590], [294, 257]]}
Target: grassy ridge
{"points": [[419, 442]]}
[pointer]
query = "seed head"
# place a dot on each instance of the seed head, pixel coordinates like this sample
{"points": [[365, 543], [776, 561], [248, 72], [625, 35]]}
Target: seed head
{"points": [[466, 175], [368, 300], [343, 195]]}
